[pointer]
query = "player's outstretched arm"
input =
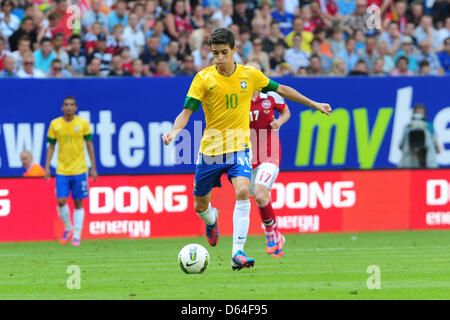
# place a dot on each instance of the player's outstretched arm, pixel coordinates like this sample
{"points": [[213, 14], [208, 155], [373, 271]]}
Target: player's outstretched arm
{"points": [[48, 159], [179, 124], [293, 95]]}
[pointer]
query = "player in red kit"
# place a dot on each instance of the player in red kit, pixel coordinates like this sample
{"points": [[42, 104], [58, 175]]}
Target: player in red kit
{"points": [[266, 159]]}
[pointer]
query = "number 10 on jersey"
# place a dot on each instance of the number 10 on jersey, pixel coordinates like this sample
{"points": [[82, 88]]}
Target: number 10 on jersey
{"points": [[232, 100]]}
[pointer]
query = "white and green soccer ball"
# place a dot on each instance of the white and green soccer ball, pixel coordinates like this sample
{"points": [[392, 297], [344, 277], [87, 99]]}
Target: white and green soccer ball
{"points": [[193, 258]]}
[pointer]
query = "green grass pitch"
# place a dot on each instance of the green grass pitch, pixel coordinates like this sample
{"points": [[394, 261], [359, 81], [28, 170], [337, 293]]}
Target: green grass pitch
{"points": [[412, 264]]}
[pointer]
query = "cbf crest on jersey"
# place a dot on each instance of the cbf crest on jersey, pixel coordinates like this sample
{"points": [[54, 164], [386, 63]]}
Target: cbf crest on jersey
{"points": [[244, 84], [77, 128]]}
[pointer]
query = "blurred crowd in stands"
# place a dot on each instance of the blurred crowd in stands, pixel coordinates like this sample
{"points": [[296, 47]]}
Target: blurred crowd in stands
{"points": [[164, 38]]}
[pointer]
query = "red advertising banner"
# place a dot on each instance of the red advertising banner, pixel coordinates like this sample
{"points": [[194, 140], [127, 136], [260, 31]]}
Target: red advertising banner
{"points": [[27, 209], [162, 205], [430, 199]]}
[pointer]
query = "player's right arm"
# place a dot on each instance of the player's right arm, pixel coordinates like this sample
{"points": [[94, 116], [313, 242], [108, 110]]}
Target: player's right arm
{"points": [[48, 159], [192, 103], [51, 140], [179, 124]]}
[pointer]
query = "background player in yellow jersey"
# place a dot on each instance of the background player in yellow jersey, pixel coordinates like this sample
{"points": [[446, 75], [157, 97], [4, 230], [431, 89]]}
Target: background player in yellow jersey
{"points": [[225, 91], [70, 132]]}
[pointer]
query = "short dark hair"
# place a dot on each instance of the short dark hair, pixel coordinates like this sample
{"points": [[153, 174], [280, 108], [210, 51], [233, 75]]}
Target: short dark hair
{"points": [[57, 35], [160, 59], [73, 37], [70, 98], [350, 38], [45, 39], [423, 63], [187, 55], [419, 106], [403, 58], [222, 36], [25, 19], [5, 2]]}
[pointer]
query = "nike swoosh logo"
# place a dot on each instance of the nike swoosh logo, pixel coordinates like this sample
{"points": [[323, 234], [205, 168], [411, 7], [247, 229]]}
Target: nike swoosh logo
{"points": [[247, 171], [238, 238], [191, 264], [212, 88]]}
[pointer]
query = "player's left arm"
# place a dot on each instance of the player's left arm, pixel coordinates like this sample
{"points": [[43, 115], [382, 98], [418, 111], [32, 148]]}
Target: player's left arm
{"points": [[91, 152], [293, 95], [285, 114]]}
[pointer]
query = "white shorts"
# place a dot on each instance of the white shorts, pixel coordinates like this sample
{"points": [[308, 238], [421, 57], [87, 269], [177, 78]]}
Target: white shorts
{"points": [[264, 174]]}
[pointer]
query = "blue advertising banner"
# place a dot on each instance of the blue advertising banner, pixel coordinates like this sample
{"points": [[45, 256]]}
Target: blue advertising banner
{"points": [[129, 115]]}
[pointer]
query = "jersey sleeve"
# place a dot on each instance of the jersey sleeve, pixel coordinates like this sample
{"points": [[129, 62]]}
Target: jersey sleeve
{"points": [[195, 94], [279, 102], [87, 133], [263, 83], [51, 135]]}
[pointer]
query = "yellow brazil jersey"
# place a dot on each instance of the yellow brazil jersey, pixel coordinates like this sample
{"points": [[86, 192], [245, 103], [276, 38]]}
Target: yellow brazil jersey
{"points": [[226, 102], [70, 137]]}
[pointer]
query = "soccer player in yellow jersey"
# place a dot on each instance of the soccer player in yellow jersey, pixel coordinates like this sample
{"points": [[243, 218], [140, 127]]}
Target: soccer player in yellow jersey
{"points": [[225, 91], [70, 132]]}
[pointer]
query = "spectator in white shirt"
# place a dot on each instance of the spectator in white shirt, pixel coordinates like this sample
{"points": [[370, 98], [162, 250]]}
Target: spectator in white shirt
{"points": [[28, 70], [223, 17], [23, 46], [426, 31], [133, 36], [9, 22], [95, 15]]}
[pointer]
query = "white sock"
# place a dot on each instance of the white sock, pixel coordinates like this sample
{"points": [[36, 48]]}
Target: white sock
{"points": [[64, 214], [241, 223], [78, 218], [208, 215]]}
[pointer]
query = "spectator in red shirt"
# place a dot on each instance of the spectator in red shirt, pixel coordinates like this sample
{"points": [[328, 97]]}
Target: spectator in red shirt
{"points": [[306, 15], [127, 60], [52, 28], [3, 52], [91, 38], [398, 14], [177, 20], [64, 26], [318, 18], [115, 41], [384, 5]]}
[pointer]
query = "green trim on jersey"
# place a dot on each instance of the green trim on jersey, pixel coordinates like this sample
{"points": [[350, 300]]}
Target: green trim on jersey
{"points": [[192, 103], [88, 137], [51, 140], [272, 86]]}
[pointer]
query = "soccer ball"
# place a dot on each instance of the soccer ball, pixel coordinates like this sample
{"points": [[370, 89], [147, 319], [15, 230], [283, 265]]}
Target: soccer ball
{"points": [[193, 258]]}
